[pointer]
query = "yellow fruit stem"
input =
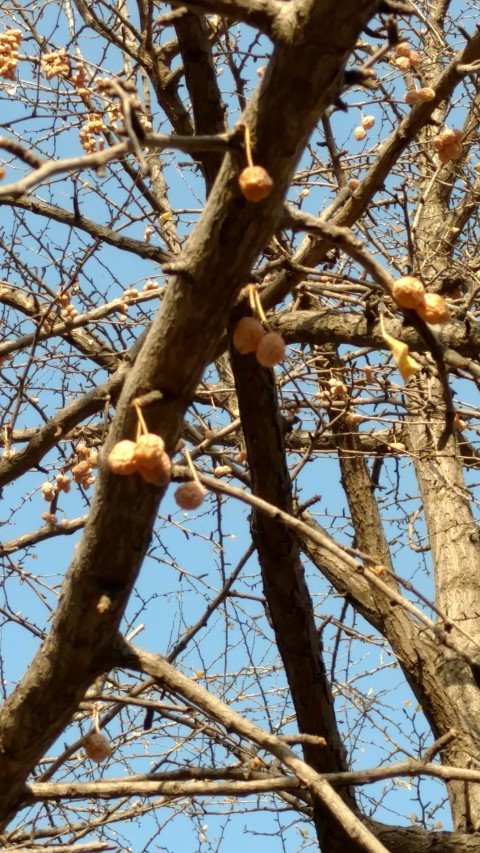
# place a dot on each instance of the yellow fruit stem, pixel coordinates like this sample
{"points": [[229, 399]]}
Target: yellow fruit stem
{"points": [[248, 148], [191, 466], [141, 425], [256, 305]]}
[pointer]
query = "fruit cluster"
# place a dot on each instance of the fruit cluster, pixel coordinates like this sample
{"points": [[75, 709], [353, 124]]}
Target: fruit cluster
{"points": [[448, 145], [366, 123], [415, 96], [146, 456], [250, 336], [55, 64], [406, 58], [9, 43], [94, 126], [409, 292]]}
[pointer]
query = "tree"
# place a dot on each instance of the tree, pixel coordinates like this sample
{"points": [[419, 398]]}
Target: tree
{"points": [[313, 592]]}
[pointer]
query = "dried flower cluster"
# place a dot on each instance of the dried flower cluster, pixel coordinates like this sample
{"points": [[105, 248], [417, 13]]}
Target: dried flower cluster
{"points": [[250, 336], [146, 456], [409, 292], [9, 44], [448, 145], [55, 64]]}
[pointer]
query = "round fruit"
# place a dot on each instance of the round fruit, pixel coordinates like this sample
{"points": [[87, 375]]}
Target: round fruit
{"points": [[412, 96], [96, 746], [270, 350], [121, 459], [149, 449], [426, 94], [367, 122], [359, 133], [189, 495], [247, 334], [408, 292], [434, 309], [159, 475], [255, 183]]}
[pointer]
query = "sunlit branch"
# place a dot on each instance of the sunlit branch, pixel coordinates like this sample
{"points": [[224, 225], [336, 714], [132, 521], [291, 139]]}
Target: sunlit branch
{"points": [[168, 676], [100, 159]]}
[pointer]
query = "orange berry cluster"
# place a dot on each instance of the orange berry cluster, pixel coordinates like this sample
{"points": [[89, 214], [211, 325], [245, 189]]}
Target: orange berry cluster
{"points": [[409, 292], [55, 64], [406, 58], [82, 470], [415, 96], [448, 145], [146, 456], [250, 336], [366, 123], [94, 126], [9, 44]]}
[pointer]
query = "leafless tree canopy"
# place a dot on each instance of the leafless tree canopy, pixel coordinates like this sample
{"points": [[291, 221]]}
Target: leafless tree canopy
{"points": [[260, 623]]}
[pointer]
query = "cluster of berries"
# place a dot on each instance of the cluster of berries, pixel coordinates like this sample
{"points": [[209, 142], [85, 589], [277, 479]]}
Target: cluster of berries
{"points": [[416, 96], [147, 457], [366, 123], [406, 58], [409, 292], [9, 44], [93, 127], [55, 64], [250, 336], [448, 145]]}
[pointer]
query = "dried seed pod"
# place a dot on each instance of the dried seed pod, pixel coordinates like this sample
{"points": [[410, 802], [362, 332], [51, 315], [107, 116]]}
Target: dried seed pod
{"points": [[96, 746], [408, 292], [255, 183], [270, 350], [359, 133], [121, 459], [149, 450], [414, 57], [412, 96], [367, 122], [426, 94], [160, 475], [189, 495], [434, 309], [247, 334], [403, 62]]}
